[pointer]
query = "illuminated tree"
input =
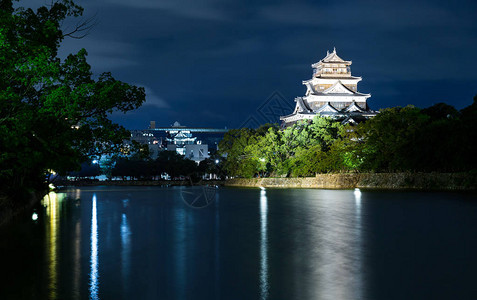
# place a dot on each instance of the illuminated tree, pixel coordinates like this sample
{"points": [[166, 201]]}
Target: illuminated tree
{"points": [[53, 112]]}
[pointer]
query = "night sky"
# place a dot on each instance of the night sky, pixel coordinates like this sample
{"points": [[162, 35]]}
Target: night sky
{"points": [[214, 63]]}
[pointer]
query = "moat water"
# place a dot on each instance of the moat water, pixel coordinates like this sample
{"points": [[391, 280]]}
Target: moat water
{"points": [[156, 243]]}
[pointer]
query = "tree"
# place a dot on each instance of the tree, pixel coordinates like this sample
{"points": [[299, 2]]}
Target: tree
{"points": [[440, 111], [390, 139], [53, 112], [174, 164], [239, 160]]}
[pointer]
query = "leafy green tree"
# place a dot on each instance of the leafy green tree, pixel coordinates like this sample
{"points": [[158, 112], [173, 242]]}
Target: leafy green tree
{"points": [[324, 131], [53, 112], [307, 161], [233, 146], [390, 139]]}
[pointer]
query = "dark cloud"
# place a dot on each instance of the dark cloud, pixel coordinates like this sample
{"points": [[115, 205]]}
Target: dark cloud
{"points": [[214, 62]]}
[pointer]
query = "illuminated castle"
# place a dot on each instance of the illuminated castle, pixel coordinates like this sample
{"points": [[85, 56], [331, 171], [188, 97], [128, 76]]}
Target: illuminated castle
{"points": [[331, 92]]}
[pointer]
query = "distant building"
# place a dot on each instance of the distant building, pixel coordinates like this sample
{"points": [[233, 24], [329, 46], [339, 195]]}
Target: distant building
{"points": [[331, 92], [155, 144], [194, 143]]}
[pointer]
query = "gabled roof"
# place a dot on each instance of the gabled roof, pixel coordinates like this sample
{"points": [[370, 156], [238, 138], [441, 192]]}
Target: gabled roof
{"points": [[332, 57], [349, 120], [302, 106], [338, 88], [327, 108], [354, 107]]}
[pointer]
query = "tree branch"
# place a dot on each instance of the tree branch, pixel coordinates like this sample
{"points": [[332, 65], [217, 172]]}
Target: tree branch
{"points": [[82, 28]]}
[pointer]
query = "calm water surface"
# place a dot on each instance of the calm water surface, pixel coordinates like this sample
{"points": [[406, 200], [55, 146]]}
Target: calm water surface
{"points": [[147, 243]]}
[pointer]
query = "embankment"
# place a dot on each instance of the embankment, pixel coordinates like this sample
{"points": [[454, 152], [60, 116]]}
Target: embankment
{"points": [[422, 181]]}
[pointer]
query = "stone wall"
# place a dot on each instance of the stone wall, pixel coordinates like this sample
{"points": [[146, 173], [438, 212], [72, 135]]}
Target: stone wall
{"points": [[428, 181]]}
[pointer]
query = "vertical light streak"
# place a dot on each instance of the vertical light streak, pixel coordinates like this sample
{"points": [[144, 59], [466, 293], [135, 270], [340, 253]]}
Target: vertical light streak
{"points": [[335, 251], [93, 277], [52, 240], [125, 250], [264, 286], [357, 199], [359, 238], [180, 252]]}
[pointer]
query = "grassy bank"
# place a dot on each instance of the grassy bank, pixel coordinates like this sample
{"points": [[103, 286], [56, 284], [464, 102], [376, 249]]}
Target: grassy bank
{"points": [[423, 181]]}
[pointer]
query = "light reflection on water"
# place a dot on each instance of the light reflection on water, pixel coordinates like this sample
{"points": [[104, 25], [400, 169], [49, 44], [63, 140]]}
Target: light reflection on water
{"points": [[329, 246], [93, 277], [180, 250], [302, 244], [52, 203], [125, 251], [264, 285]]}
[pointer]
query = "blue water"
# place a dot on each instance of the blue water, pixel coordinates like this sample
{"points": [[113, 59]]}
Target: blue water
{"points": [[157, 243]]}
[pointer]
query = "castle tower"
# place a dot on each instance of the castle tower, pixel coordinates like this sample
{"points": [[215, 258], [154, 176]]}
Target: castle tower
{"points": [[332, 92]]}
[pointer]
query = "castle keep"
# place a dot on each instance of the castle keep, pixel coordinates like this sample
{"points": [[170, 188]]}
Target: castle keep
{"points": [[331, 92]]}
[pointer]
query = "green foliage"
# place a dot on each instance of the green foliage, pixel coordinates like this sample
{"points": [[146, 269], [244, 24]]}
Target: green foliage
{"points": [[438, 138], [390, 137], [244, 157], [53, 113]]}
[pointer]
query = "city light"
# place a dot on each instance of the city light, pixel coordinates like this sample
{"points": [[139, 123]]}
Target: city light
{"points": [[34, 216]]}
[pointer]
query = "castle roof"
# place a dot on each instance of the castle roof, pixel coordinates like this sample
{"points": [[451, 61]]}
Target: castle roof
{"points": [[327, 108], [338, 89], [354, 108], [331, 58], [302, 106], [331, 93], [358, 78]]}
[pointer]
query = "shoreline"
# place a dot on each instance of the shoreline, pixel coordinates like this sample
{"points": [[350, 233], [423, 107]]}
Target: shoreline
{"points": [[389, 181], [142, 183], [383, 181]]}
